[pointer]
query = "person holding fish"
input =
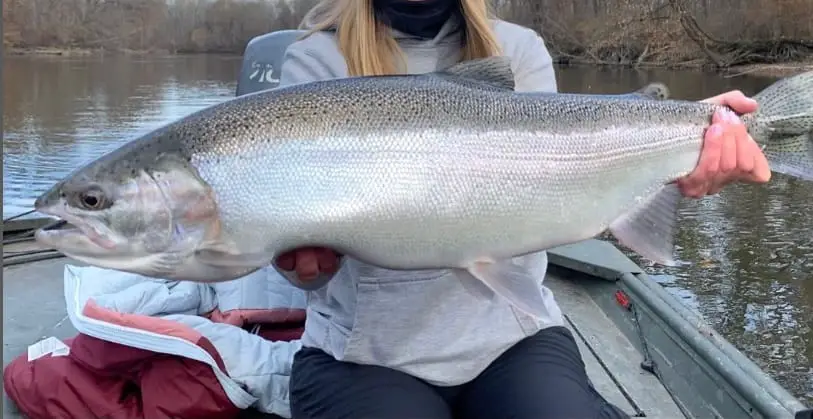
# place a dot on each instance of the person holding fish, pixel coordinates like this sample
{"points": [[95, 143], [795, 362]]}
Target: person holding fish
{"points": [[442, 185], [416, 344]]}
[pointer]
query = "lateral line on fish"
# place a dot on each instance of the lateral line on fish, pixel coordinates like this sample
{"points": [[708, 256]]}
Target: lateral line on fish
{"points": [[488, 152]]}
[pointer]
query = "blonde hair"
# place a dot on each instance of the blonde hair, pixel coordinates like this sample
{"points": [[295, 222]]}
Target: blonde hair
{"points": [[370, 49]]}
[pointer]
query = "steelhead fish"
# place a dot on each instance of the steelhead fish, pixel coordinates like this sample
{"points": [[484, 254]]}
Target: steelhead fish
{"points": [[447, 170]]}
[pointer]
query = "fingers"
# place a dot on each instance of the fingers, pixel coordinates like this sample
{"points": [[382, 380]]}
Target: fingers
{"points": [[697, 183], [762, 169], [728, 147], [752, 162], [328, 260], [309, 262], [735, 100], [730, 166], [728, 154], [287, 261], [751, 165], [746, 155]]}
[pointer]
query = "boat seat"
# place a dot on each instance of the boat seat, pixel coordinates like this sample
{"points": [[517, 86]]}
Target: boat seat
{"points": [[262, 61]]}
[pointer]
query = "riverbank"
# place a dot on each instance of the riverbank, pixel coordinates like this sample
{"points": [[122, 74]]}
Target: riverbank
{"points": [[771, 70], [761, 70], [84, 52], [76, 51], [784, 69], [49, 51]]}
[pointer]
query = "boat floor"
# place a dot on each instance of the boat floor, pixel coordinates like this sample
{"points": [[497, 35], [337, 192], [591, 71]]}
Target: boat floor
{"points": [[34, 308]]}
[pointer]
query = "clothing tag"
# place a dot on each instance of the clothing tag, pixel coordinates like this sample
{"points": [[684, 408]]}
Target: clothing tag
{"points": [[50, 345]]}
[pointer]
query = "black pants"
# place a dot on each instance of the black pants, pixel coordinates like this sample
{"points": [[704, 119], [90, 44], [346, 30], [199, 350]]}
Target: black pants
{"points": [[541, 377]]}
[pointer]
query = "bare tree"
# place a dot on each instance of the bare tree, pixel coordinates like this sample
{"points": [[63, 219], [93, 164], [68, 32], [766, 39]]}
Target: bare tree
{"points": [[629, 32]]}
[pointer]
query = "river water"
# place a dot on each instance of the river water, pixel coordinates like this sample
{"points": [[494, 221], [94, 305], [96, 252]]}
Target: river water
{"points": [[746, 254]]}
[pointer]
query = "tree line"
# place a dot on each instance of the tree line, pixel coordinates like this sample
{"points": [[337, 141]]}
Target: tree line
{"points": [[633, 32]]}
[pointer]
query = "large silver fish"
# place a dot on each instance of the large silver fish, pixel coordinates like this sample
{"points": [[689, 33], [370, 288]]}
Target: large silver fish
{"points": [[451, 169]]}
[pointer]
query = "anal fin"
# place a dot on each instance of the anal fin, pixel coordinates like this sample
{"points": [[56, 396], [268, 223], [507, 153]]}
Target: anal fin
{"points": [[649, 229], [475, 286], [508, 280]]}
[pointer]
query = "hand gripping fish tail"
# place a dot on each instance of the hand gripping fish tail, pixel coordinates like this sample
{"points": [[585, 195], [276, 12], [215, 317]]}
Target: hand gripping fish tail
{"points": [[782, 125]]}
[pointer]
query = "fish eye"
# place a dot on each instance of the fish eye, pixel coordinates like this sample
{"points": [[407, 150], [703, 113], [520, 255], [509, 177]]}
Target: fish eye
{"points": [[93, 199]]}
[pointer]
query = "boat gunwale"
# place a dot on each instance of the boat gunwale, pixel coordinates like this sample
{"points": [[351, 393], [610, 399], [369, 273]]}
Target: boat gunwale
{"points": [[751, 383]]}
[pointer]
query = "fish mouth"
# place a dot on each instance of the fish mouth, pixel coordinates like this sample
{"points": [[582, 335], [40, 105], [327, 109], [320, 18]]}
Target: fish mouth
{"points": [[71, 234]]}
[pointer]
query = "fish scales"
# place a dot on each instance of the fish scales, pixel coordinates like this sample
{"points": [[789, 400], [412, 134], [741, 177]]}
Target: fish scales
{"points": [[428, 151], [434, 163], [448, 170]]}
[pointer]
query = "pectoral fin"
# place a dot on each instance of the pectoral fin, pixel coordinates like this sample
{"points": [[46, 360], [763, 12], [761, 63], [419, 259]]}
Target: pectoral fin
{"points": [[508, 280], [221, 255], [649, 229]]}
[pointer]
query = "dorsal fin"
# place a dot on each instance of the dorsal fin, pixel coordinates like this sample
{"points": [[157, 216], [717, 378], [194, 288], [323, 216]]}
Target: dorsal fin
{"points": [[654, 91], [495, 71]]}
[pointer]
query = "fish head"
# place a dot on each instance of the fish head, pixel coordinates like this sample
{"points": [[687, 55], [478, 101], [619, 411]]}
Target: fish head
{"points": [[145, 214]]}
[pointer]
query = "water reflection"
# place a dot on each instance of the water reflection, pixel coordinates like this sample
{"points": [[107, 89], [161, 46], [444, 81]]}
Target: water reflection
{"points": [[60, 113], [686, 84], [745, 254]]}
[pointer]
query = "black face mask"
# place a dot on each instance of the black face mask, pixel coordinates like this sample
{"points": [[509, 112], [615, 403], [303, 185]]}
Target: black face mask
{"points": [[422, 18]]}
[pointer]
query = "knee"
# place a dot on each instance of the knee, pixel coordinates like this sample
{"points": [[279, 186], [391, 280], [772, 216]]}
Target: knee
{"points": [[558, 336], [323, 387], [306, 363], [312, 373], [543, 376], [550, 346]]}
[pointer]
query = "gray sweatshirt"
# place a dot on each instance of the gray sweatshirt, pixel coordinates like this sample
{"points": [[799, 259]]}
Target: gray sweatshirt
{"points": [[424, 323]]}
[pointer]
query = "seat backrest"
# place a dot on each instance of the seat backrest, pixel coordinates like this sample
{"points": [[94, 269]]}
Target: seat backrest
{"points": [[262, 61]]}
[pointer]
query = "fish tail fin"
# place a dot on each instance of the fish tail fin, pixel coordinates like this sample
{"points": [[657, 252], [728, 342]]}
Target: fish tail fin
{"points": [[783, 125]]}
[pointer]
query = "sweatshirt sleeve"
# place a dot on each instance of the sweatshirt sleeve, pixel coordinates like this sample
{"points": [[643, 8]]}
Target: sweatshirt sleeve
{"points": [[534, 70], [302, 64]]}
